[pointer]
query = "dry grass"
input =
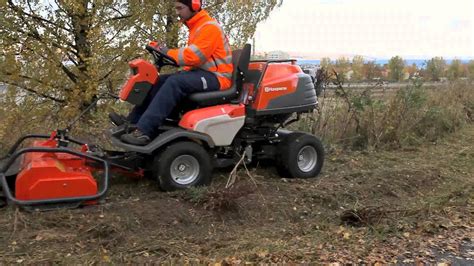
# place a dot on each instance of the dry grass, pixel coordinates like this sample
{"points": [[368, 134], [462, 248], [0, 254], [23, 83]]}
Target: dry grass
{"points": [[410, 203], [368, 205], [374, 118], [28, 115]]}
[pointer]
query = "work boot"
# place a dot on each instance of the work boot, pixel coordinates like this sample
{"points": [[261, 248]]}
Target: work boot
{"points": [[117, 119], [136, 138]]}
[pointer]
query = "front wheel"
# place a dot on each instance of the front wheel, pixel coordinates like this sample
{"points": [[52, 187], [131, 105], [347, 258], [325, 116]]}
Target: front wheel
{"points": [[302, 156], [183, 165]]}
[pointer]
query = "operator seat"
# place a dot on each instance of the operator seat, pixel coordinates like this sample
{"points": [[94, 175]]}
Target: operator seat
{"points": [[240, 60]]}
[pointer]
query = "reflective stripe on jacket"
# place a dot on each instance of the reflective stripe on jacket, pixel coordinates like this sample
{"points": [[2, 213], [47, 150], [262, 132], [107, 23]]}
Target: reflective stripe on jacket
{"points": [[208, 48]]}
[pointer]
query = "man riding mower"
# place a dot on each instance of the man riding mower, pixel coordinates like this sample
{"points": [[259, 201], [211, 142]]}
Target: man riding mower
{"points": [[221, 118], [207, 62]]}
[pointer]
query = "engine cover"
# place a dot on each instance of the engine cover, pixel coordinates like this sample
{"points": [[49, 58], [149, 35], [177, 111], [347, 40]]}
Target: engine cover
{"points": [[284, 89]]}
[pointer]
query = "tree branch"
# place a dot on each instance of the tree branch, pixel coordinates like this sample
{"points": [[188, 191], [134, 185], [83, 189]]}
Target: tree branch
{"points": [[34, 92], [119, 18], [34, 16], [34, 34], [29, 78]]}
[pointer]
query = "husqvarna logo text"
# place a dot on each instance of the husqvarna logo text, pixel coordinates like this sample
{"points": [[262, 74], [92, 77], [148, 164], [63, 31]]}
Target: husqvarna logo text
{"points": [[269, 89]]}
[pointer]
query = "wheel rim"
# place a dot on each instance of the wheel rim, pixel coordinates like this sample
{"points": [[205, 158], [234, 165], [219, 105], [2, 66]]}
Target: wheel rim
{"points": [[307, 159], [185, 169]]}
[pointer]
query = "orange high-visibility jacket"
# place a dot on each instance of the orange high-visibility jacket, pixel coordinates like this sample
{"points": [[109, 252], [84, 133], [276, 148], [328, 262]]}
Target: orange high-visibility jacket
{"points": [[208, 48]]}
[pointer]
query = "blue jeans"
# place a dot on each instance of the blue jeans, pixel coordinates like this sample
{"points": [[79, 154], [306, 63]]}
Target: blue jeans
{"points": [[166, 94]]}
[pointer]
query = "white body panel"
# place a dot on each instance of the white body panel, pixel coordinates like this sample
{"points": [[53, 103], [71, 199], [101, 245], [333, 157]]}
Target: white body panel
{"points": [[222, 129]]}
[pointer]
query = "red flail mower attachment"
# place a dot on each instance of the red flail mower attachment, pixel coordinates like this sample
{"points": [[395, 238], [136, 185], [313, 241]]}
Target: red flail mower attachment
{"points": [[48, 173]]}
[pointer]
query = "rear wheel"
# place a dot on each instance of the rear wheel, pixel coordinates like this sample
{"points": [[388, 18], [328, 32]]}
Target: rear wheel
{"points": [[183, 165], [302, 156]]}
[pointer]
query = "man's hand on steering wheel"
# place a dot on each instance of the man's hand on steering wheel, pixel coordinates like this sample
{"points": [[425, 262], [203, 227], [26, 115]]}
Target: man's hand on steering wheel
{"points": [[159, 52], [159, 46]]}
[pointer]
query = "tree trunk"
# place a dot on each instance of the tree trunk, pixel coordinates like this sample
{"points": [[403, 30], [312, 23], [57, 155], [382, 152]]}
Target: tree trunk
{"points": [[172, 33], [84, 91]]}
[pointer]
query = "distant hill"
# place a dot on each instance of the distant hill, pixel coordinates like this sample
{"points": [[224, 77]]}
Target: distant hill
{"points": [[420, 63]]}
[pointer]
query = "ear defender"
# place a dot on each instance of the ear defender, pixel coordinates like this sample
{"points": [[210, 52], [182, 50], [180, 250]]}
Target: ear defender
{"points": [[196, 5]]}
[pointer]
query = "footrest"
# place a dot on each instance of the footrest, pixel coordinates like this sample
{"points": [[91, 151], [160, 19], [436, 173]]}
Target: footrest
{"points": [[117, 119]]}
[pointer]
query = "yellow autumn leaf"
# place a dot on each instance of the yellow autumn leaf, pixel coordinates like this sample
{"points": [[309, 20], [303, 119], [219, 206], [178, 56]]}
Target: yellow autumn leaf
{"points": [[262, 254], [347, 235]]}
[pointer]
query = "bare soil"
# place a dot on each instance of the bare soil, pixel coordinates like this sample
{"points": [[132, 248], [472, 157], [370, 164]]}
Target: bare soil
{"points": [[402, 206]]}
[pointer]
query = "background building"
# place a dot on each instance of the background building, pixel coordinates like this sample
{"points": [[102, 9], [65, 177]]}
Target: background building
{"points": [[277, 55]]}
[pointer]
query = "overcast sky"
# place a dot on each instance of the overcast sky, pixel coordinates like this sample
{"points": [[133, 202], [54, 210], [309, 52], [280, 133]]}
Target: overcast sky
{"points": [[373, 28]]}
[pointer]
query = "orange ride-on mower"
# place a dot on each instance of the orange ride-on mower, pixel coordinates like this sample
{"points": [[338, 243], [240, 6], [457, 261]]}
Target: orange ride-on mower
{"points": [[206, 131]]}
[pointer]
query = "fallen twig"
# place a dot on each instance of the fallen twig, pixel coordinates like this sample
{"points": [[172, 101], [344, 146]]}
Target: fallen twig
{"points": [[233, 173]]}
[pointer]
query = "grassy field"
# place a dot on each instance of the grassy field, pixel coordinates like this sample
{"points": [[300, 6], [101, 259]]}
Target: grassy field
{"points": [[387, 203], [390, 206]]}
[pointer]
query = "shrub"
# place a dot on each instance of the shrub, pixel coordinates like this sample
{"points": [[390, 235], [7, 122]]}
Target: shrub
{"points": [[26, 114], [376, 117]]}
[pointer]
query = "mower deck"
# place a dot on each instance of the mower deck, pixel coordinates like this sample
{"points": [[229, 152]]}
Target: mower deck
{"points": [[48, 173]]}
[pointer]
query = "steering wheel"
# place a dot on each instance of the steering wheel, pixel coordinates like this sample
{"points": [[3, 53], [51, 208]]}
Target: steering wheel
{"points": [[161, 59]]}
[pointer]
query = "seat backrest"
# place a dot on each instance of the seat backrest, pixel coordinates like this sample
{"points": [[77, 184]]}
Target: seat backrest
{"points": [[244, 59], [241, 60], [235, 61]]}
